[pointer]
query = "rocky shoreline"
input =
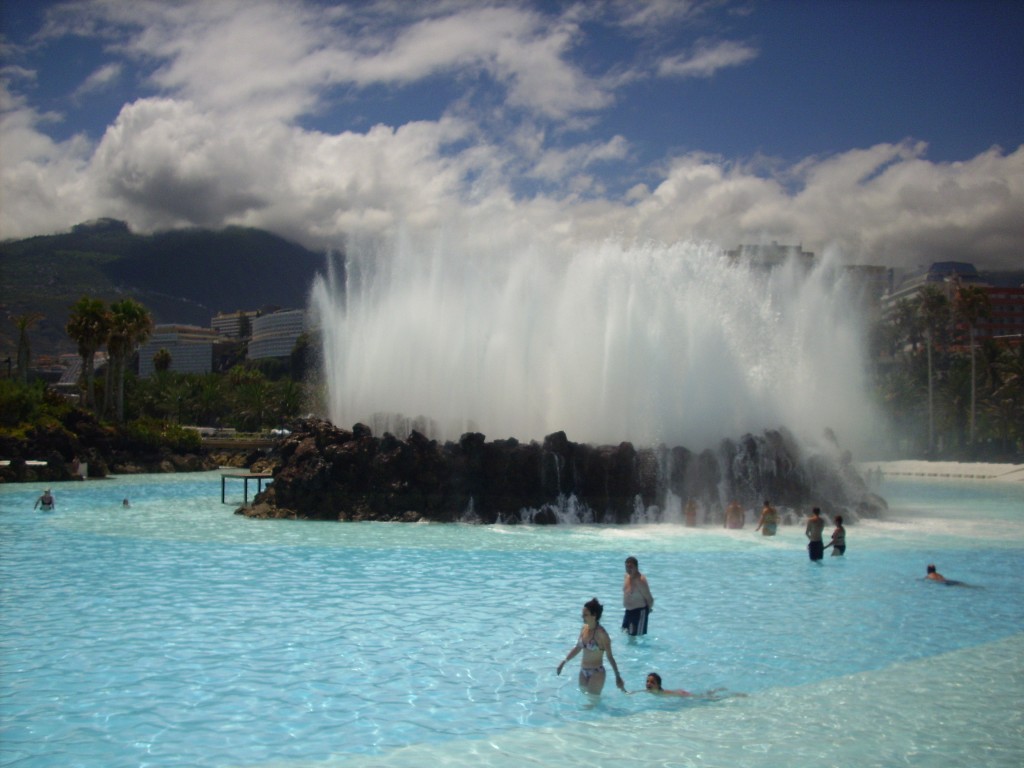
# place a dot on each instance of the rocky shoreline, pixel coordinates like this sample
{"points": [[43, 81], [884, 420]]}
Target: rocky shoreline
{"points": [[78, 447], [324, 472]]}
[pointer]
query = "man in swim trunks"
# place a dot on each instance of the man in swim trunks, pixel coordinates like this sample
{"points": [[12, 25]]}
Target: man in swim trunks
{"points": [[813, 531], [769, 521], [636, 599], [594, 641]]}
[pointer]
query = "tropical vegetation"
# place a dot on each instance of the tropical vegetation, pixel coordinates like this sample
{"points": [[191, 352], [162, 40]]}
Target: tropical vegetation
{"points": [[248, 397], [945, 394]]}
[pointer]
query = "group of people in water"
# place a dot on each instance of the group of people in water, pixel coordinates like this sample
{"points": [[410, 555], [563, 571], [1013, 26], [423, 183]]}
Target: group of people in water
{"points": [[47, 503], [814, 530], [595, 643], [768, 524]]}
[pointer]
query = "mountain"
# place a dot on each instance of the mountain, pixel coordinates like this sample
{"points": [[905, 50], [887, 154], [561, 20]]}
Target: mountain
{"points": [[181, 276]]}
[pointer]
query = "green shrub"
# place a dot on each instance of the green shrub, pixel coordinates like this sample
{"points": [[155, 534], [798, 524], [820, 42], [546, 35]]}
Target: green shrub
{"points": [[155, 434]]}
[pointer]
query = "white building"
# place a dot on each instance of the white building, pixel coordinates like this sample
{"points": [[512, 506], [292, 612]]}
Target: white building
{"points": [[229, 324], [190, 347], [274, 335]]}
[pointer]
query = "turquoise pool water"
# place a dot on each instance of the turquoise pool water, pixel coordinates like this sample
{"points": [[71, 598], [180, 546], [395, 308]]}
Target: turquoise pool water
{"points": [[175, 633]]}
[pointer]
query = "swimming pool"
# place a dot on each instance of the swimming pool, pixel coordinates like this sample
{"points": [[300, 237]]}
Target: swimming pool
{"points": [[176, 633]]}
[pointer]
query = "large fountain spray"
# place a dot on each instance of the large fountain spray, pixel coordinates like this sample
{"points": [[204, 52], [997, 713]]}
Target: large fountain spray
{"points": [[649, 343]]}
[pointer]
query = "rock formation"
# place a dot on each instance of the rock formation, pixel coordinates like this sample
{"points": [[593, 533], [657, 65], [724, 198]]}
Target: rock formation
{"points": [[328, 473]]}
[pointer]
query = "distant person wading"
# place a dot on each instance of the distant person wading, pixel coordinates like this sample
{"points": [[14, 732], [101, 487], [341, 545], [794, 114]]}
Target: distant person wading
{"points": [[636, 599]]}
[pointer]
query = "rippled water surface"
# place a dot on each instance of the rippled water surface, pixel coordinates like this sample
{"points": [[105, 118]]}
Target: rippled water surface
{"points": [[174, 633]]}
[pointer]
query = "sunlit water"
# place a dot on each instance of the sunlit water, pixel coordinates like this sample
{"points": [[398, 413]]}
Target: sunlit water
{"points": [[175, 633]]}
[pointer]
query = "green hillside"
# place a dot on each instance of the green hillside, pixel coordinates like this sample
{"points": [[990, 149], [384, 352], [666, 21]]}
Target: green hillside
{"points": [[182, 276]]}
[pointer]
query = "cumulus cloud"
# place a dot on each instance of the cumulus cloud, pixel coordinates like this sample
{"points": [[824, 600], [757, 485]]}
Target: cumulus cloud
{"points": [[222, 141]]}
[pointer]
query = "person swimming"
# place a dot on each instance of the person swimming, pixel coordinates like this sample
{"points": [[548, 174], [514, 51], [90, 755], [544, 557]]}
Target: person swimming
{"points": [[653, 685], [931, 574]]}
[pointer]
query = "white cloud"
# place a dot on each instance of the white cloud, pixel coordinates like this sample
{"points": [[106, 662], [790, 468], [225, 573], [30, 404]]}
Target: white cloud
{"points": [[707, 58], [655, 13], [221, 144], [100, 79], [273, 60]]}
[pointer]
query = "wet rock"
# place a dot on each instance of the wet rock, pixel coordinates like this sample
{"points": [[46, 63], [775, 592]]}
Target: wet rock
{"points": [[327, 473]]}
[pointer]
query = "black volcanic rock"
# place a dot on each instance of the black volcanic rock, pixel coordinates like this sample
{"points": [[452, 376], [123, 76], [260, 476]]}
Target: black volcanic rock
{"points": [[325, 472]]}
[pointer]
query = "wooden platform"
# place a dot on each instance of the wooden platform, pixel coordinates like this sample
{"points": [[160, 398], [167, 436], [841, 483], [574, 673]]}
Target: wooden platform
{"points": [[259, 477]]}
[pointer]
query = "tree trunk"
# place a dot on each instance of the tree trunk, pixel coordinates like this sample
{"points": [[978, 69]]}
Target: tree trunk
{"points": [[931, 402]]}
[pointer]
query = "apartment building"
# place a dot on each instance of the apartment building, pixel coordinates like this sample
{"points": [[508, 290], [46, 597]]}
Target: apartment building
{"points": [[190, 347], [275, 334]]}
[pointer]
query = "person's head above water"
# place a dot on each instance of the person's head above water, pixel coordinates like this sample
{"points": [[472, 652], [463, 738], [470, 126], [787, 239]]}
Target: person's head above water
{"points": [[594, 608], [931, 568], [653, 681]]}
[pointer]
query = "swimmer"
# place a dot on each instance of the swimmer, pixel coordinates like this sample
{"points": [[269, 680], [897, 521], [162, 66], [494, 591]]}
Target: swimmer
{"points": [[933, 575], [126, 503], [595, 642], [769, 521], [653, 685], [45, 502]]}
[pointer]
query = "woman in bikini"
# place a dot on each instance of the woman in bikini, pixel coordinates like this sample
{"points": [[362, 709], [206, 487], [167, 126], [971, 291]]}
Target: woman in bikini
{"points": [[595, 643]]}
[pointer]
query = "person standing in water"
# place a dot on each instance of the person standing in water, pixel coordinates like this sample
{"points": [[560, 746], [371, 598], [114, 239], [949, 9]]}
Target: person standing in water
{"points": [[594, 642], [734, 516], [45, 502], [838, 542], [813, 531], [636, 599], [691, 514], [769, 521]]}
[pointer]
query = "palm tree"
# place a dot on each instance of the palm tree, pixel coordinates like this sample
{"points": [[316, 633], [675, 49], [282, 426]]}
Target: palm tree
{"points": [[970, 304], [162, 360], [1006, 402], [88, 324], [130, 325], [933, 309], [23, 323]]}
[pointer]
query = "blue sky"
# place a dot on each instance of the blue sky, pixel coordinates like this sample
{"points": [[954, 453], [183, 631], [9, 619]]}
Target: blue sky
{"points": [[890, 132]]}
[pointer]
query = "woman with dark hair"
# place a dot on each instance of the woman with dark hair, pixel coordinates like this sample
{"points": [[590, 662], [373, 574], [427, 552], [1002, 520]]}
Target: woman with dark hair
{"points": [[595, 643], [654, 686], [838, 542]]}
